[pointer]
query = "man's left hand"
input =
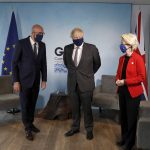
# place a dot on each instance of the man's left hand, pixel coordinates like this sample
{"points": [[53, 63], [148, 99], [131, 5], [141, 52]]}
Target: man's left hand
{"points": [[43, 85]]}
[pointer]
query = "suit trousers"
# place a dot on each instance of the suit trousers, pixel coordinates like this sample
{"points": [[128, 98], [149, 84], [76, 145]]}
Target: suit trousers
{"points": [[28, 98], [129, 108], [83, 99]]}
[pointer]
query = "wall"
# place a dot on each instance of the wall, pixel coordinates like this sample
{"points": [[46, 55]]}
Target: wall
{"points": [[102, 23]]}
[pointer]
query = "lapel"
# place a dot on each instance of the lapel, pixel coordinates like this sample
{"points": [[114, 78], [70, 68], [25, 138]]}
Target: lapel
{"points": [[131, 61], [71, 52], [39, 50], [121, 66], [30, 47], [82, 55], [31, 50]]}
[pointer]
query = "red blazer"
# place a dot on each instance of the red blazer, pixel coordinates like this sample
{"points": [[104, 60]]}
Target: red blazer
{"points": [[135, 73]]}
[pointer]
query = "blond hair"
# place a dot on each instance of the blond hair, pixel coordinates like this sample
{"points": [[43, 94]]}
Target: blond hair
{"points": [[130, 39], [77, 29]]}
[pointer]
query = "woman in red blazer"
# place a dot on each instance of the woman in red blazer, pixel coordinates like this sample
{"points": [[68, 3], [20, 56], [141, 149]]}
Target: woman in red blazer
{"points": [[130, 73]]}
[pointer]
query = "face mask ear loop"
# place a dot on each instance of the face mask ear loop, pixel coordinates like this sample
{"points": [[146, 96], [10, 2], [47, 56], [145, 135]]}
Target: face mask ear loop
{"points": [[130, 47]]}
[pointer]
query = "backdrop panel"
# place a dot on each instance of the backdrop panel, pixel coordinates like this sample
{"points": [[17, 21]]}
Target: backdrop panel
{"points": [[102, 23]]}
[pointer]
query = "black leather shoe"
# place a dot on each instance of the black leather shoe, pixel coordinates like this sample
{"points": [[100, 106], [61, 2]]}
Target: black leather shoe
{"points": [[120, 143], [34, 129], [71, 132], [89, 135], [124, 147], [29, 135], [127, 146]]}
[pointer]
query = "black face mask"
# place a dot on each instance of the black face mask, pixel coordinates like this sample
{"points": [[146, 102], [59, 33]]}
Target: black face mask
{"points": [[39, 37], [78, 42]]}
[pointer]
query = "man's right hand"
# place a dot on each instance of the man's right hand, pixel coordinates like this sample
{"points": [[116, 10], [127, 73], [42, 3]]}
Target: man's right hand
{"points": [[16, 87]]}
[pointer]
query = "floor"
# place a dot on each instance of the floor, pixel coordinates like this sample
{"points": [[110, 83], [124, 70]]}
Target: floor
{"points": [[51, 137]]}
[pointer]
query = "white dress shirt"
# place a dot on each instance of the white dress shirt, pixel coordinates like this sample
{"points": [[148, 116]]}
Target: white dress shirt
{"points": [[79, 53], [32, 44]]}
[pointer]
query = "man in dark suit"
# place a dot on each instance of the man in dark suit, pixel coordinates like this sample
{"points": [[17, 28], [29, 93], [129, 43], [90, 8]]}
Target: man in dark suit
{"points": [[29, 63], [82, 61]]}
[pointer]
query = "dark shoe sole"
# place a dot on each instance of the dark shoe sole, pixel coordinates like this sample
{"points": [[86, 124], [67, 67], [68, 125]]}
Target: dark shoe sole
{"points": [[71, 134], [120, 143], [30, 139], [89, 136], [36, 131]]}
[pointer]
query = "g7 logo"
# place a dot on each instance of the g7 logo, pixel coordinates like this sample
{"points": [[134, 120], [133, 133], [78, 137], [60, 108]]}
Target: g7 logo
{"points": [[59, 51]]}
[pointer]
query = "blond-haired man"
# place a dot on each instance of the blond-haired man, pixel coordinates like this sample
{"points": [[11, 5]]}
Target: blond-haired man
{"points": [[82, 61]]}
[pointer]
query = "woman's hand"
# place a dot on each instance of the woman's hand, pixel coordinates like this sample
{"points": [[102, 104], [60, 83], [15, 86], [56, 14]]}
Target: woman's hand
{"points": [[120, 82]]}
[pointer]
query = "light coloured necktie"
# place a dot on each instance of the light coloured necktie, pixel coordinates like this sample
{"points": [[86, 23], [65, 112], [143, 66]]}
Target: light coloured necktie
{"points": [[76, 57]]}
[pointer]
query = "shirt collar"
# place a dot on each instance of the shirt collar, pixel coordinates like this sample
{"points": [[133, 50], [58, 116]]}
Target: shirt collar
{"points": [[32, 42], [80, 47]]}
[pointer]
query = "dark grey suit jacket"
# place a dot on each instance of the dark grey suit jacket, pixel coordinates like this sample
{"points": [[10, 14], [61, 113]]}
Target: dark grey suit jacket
{"points": [[83, 75]]}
